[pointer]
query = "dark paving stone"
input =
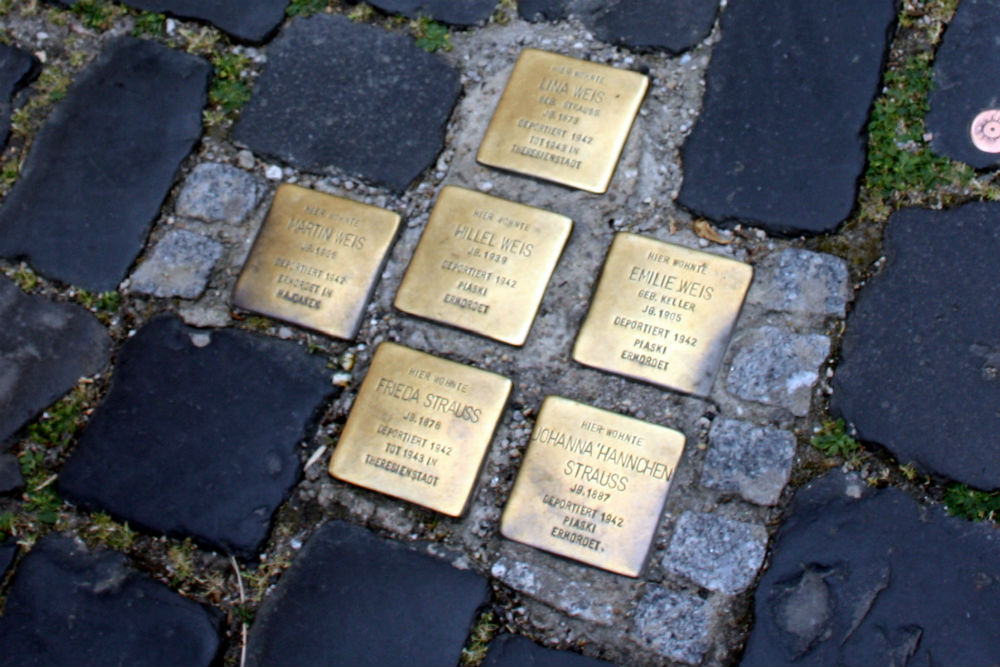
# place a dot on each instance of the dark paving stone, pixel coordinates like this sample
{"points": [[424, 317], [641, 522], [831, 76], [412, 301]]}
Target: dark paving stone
{"points": [[8, 550], [45, 348], [544, 10], [340, 94], [516, 651], [780, 142], [198, 433], [920, 369], [17, 69], [351, 598], [248, 21], [71, 607], [965, 82], [863, 577], [557, 10], [103, 163], [466, 13], [672, 25], [10, 474]]}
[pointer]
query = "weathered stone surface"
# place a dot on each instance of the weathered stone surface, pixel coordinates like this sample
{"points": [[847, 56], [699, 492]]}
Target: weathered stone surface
{"points": [[179, 265], [195, 416], [675, 624], [71, 607], [672, 25], [17, 69], [45, 348], [863, 577], [564, 585], [509, 650], [8, 551], [249, 21], [715, 552], [780, 142], [964, 84], [317, 106], [466, 13], [103, 162], [753, 461], [777, 367], [351, 598], [920, 368], [544, 10], [801, 281], [10, 473], [216, 192]]}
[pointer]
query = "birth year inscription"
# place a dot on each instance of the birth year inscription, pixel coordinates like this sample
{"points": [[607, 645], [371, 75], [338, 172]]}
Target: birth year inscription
{"points": [[316, 260], [563, 119], [483, 264], [663, 313], [592, 485], [419, 428]]}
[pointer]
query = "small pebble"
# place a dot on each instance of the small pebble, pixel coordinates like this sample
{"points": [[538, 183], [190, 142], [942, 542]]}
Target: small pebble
{"points": [[245, 159]]}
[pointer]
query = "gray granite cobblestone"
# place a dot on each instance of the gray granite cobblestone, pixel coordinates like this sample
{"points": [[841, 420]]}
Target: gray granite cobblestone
{"points": [[753, 461], [216, 192], [801, 281], [179, 265], [777, 367], [676, 625], [718, 553]]}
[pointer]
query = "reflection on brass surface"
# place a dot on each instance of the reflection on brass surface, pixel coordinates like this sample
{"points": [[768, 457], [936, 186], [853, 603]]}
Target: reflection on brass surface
{"points": [[563, 119], [316, 260], [419, 428], [985, 131], [663, 313], [483, 263], [592, 485]]}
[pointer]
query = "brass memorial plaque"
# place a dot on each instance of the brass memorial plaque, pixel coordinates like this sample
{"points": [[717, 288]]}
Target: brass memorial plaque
{"points": [[563, 119], [316, 260], [663, 313], [592, 485], [483, 263], [419, 428]]}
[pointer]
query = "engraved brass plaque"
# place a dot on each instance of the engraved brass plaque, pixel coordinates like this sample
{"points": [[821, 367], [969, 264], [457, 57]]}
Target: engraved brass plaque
{"points": [[419, 428], [483, 263], [563, 119], [316, 260], [592, 485], [663, 313]]}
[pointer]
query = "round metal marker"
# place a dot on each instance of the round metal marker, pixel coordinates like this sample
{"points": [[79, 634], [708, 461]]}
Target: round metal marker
{"points": [[985, 131]]}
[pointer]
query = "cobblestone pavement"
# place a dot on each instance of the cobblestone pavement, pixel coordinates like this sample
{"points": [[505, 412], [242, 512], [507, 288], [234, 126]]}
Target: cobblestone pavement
{"points": [[164, 495]]}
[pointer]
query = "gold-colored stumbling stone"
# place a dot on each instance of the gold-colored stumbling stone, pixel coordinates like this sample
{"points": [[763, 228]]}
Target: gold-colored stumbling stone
{"points": [[663, 313], [483, 263], [316, 260], [419, 428], [985, 131], [563, 119], [592, 485]]}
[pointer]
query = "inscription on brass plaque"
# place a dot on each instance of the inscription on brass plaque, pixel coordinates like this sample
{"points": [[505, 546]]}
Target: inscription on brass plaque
{"points": [[315, 260], [563, 119], [592, 485], [663, 313], [483, 263], [419, 428]]}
